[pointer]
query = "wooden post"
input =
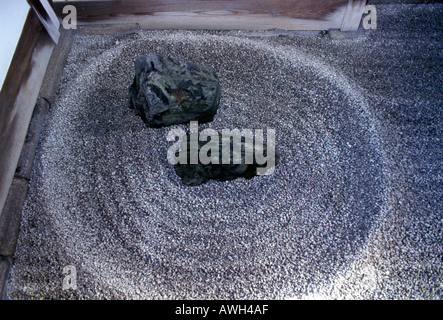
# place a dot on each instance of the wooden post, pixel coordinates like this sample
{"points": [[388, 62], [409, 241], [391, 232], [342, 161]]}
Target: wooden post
{"points": [[353, 14], [47, 17]]}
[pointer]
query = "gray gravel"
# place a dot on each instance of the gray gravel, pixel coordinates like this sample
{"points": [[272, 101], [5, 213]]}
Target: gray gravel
{"points": [[353, 210]]}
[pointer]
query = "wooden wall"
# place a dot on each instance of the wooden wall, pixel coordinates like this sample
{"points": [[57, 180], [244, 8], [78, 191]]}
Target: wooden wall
{"points": [[222, 14]]}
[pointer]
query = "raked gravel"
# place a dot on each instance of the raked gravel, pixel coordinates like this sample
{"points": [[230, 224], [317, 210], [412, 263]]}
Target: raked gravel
{"points": [[353, 209]]}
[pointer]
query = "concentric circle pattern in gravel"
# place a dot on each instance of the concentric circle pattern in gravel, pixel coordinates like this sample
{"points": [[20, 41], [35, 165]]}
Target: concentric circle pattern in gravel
{"points": [[115, 209]]}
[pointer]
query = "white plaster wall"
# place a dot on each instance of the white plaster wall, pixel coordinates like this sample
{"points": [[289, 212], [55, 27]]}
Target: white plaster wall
{"points": [[12, 18]]}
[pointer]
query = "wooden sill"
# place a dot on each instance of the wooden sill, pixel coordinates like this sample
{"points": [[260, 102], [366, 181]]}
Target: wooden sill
{"points": [[19, 95]]}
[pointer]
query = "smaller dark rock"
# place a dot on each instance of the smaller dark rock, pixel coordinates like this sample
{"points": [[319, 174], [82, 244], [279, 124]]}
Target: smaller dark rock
{"points": [[196, 174]]}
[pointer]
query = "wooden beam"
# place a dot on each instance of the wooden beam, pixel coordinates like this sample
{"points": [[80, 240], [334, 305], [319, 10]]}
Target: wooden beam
{"points": [[353, 14], [215, 14], [19, 95], [47, 17]]}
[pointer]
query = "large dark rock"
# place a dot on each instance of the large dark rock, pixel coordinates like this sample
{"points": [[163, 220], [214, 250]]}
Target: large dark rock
{"points": [[167, 91], [198, 173]]}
